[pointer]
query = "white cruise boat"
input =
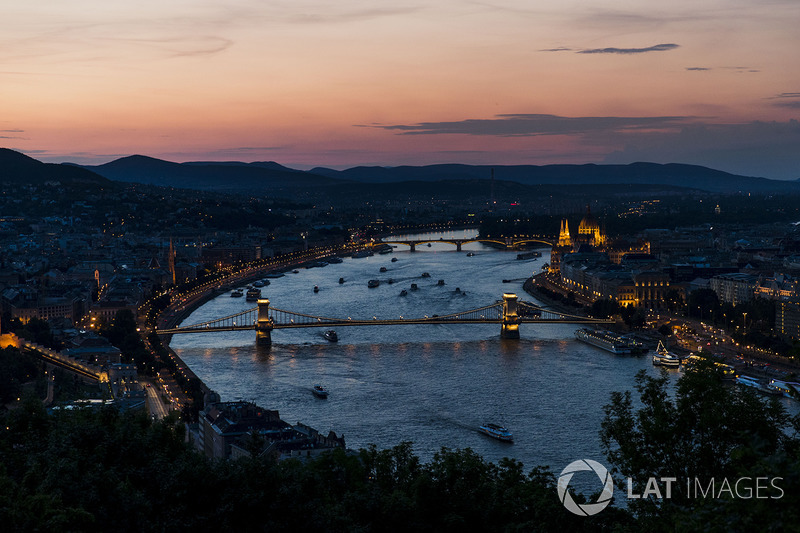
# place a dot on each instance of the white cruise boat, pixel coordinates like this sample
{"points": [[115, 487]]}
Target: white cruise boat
{"points": [[663, 357], [784, 388], [603, 339]]}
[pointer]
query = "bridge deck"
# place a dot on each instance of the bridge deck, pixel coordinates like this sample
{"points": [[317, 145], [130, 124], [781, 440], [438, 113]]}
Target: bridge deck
{"points": [[397, 322], [494, 313]]}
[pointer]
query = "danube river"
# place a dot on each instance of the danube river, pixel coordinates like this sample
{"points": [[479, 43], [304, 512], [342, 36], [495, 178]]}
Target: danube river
{"points": [[432, 385]]}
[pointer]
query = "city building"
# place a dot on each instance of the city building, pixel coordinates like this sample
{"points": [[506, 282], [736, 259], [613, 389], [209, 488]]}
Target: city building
{"points": [[239, 429], [787, 318], [734, 288]]}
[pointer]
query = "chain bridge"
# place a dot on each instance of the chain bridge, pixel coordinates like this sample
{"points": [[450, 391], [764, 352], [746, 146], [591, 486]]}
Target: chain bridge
{"points": [[509, 313]]}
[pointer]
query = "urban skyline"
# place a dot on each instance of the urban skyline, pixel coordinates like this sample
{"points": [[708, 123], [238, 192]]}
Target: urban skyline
{"points": [[350, 84]]}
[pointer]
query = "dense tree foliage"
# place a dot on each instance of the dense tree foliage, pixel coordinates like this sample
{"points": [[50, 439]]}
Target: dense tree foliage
{"points": [[16, 369], [122, 333], [101, 470], [35, 330], [707, 431]]}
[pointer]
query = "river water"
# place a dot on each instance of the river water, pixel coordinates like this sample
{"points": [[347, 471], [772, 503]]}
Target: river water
{"points": [[432, 385]]}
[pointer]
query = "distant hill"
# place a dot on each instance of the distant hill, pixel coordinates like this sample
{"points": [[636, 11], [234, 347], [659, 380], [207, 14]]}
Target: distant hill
{"points": [[224, 176], [16, 167], [678, 175], [235, 176]]}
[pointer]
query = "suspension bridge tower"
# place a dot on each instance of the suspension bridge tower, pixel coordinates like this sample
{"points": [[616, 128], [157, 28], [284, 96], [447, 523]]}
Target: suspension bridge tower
{"points": [[511, 320], [264, 324]]}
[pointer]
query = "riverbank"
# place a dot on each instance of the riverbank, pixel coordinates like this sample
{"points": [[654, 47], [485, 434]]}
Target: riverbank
{"points": [[182, 305], [540, 280]]}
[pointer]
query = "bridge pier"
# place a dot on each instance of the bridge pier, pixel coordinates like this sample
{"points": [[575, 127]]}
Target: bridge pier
{"points": [[412, 246], [458, 247], [511, 320], [264, 324]]}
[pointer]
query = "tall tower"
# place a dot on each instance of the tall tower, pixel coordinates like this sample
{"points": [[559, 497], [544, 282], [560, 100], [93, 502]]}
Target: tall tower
{"points": [[563, 235], [171, 262]]}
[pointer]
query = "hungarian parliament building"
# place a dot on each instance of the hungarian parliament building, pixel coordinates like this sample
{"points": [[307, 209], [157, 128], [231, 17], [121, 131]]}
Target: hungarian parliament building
{"points": [[594, 267]]}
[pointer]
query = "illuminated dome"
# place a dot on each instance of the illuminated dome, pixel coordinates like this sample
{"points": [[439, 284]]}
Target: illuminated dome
{"points": [[590, 227], [589, 224]]}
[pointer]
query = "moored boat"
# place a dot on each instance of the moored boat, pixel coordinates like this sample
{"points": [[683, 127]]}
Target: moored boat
{"points": [[663, 357], [237, 293], [784, 388], [320, 391], [604, 340], [497, 432], [754, 383]]}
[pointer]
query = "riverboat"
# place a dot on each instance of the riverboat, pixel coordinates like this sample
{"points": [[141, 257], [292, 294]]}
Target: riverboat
{"points": [[663, 357], [497, 432], [320, 391], [253, 294], [383, 269], [334, 260], [237, 293], [754, 383], [785, 388], [373, 283], [604, 340], [529, 255], [331, 336]]}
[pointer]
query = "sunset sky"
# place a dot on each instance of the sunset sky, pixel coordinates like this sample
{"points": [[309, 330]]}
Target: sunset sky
{"points": [[313, 83]]}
